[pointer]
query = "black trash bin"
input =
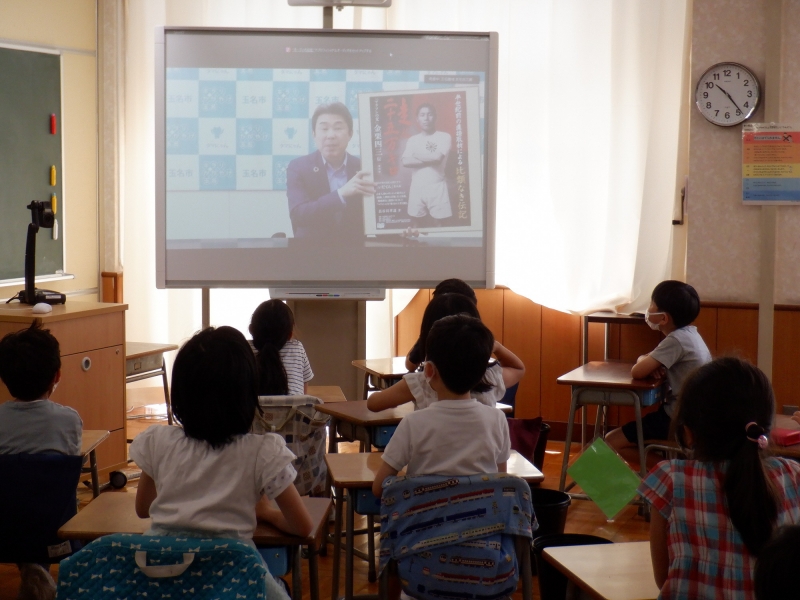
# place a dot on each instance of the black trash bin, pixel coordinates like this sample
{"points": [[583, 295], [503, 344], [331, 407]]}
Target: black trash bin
{"points": [[552, 583], [550, 508], [541, 445]]}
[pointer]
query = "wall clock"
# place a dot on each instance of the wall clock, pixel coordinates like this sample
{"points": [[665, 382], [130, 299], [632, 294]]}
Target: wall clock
{"points": [[727, 94]]}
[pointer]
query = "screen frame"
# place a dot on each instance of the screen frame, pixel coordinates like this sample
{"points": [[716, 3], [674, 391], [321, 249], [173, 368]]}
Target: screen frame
{"points": [[490, 136]]}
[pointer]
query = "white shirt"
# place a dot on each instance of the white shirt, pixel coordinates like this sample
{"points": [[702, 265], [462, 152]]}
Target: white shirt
{"points": [[298, 369], [681, 352], [450, 437], [424, 395], [215, 490]]}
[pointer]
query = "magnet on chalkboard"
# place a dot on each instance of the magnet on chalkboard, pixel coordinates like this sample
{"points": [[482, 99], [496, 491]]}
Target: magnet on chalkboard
{"points": [[55, 229], [53, 124]]}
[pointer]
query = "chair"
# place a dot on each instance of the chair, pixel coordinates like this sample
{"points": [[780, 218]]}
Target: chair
{"points": [[442, 536], [510, 398], [296, 420], [37, 496], [126, 565]]}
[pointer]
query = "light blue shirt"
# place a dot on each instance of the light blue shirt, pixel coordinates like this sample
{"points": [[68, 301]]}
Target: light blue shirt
{"points": [[38, 427], [336, 177]]}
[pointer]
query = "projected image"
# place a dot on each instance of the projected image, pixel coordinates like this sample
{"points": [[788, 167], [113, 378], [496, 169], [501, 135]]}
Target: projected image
{"points": [[258, 157]]}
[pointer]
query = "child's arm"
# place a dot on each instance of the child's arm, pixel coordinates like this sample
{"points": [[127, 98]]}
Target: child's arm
{"points": [[393, 396], [145, 494], [291, 515], [647, 366], [384, 472], [513, 367], [659, 553]]}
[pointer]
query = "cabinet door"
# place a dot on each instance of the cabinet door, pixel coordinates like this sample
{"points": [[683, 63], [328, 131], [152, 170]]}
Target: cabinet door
{"points": [[93, 383]]}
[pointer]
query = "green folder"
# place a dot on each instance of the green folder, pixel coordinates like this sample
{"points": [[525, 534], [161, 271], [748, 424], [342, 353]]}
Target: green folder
{"points": [[605, 478]]}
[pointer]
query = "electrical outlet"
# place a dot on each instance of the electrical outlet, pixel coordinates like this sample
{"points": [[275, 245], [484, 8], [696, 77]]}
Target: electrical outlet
{"points": [[789, 409]]}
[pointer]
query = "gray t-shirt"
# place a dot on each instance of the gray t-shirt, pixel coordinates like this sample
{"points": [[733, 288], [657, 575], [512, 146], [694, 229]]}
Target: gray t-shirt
{"points": [[38, 427], [681, 352]]}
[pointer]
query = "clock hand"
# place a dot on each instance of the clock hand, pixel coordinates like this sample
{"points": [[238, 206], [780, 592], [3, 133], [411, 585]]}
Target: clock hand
{"points": [[729, 98]]}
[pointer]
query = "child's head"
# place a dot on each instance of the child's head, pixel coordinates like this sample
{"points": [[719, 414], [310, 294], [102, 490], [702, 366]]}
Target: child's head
{"points": [[214, 386], [271, 326], [778, 564], [459, 347], [455, 286], [30, 361], [442, 306], [724, 409], [679, 300]]}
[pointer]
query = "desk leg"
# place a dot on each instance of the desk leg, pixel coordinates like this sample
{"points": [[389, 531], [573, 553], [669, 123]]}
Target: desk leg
{"points": [[333, 424], [313, 572], [365, 388], [573, 407], [337, 544], [348, 551], [166, 389], [95, 477], [371, 576], [297, 577], [637, 406]]}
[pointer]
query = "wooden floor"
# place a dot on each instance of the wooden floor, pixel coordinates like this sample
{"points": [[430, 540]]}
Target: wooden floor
{"points": [[583, 517]]}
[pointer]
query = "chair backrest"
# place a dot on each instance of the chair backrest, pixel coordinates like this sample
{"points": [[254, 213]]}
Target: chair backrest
{"points": [[126, 565], [296, 420], [37, 496], [455, 536]]}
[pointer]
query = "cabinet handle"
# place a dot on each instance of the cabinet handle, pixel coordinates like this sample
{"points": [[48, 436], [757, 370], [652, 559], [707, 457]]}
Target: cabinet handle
{"points": [[86, 363]]}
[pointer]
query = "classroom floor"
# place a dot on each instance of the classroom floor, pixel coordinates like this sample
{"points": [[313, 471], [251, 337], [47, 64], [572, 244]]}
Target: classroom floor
{"points": [[583, 517]]}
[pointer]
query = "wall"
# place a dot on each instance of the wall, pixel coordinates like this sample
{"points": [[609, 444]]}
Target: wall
{"points": [[723, 242], [70, 27]]}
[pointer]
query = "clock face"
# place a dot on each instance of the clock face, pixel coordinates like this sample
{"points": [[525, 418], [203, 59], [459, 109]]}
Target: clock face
{"points": [[727, 94]]}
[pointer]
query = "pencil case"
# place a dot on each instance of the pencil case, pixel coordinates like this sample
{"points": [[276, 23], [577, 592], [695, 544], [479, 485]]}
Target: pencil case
{"points": [[785, 437]]}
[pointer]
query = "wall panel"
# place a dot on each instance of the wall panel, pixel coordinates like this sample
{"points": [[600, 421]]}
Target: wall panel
{"points": [[522, 334]]}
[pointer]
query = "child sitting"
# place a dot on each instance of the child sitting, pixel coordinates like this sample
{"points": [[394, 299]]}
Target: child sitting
{"points": [[211, 477], [673, 307], [456, 435], [449, 286], [30, 367], [712, 515], [272, 328], [414, 387]]}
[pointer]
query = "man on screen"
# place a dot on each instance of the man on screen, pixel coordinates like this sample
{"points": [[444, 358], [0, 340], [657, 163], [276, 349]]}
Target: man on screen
{"points": [[325, 188], [426, 154]]}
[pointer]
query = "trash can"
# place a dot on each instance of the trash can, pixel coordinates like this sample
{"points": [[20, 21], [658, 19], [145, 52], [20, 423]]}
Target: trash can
{"points": [[552, 583], [541, 445], [550, 508]]}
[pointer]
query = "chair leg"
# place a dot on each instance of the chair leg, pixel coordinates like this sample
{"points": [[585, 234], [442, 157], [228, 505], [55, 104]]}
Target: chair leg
{"points": [[371, 576]]}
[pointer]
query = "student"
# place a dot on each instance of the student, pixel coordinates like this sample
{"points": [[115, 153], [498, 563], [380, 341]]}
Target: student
{"points": [[712, 515], [778, 565], [30, 367], [449, 286], [211, 477], [456, 435], [283, 363], [414, 387], [674, 305]]}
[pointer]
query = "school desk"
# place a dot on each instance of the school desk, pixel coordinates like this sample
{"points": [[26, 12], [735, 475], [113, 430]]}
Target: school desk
{"points": [[115, 512], [353, 473], [380, 373], [354, 421], [90, 440], [327, 393], [144, 360], [621, 571], [604, 383]]}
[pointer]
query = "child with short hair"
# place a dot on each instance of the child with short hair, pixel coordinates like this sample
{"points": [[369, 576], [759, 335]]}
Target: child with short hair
{"points": [[283, 364], [456, 435], [414, 387], [713, 514], [30, 367], [212, 477], [674, 305]]}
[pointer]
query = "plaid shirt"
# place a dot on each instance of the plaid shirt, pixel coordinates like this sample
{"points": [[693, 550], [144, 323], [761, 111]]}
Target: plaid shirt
{"points": [[707, 558]]}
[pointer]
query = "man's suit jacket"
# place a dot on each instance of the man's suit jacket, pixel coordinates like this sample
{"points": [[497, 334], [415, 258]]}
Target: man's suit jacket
{"points": [[315, 210]]}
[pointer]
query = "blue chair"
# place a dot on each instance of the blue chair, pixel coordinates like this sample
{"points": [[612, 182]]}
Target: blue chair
{"points": [[37, 497], [510, 398]]}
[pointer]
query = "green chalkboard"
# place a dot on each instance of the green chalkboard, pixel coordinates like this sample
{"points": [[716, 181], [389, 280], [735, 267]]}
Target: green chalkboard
{"points": [[30, 91]]}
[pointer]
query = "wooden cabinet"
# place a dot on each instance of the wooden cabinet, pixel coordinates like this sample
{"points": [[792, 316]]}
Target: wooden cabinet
{"points": [[91, 337]]}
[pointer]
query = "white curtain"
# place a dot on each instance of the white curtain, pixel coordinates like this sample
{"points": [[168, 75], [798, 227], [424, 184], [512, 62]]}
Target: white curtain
{"points": [[588, 140]]}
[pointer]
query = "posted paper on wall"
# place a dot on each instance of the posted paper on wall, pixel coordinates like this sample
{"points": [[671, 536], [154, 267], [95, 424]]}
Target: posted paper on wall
{"points": [[770, 164]]}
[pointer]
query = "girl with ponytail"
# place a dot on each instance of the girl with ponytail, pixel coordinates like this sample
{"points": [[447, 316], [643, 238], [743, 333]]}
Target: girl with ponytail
{"points": [[712, 514], [282, 362]]}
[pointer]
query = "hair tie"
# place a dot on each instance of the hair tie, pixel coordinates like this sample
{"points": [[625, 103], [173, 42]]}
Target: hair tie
{"points": [[758, 436]]}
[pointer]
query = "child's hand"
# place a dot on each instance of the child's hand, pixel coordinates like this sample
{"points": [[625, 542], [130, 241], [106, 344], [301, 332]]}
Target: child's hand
{"points": [[796, 417], [659, 373]]}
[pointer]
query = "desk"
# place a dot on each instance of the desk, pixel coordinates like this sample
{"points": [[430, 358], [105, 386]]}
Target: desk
{"points": [[327, 393], [144, 360], [607, 318], [604, 384], [382, 371], [607, 571], [90, 440], [354, 472], [793, 452], [115, 512]]}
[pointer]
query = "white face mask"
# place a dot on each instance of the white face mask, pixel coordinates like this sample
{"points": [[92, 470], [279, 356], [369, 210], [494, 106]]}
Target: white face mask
{"points": [[647, 315]]}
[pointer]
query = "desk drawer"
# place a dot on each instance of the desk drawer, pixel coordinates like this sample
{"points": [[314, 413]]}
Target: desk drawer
{"points": [[277, 559], [381, 435], [88, 333]]}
